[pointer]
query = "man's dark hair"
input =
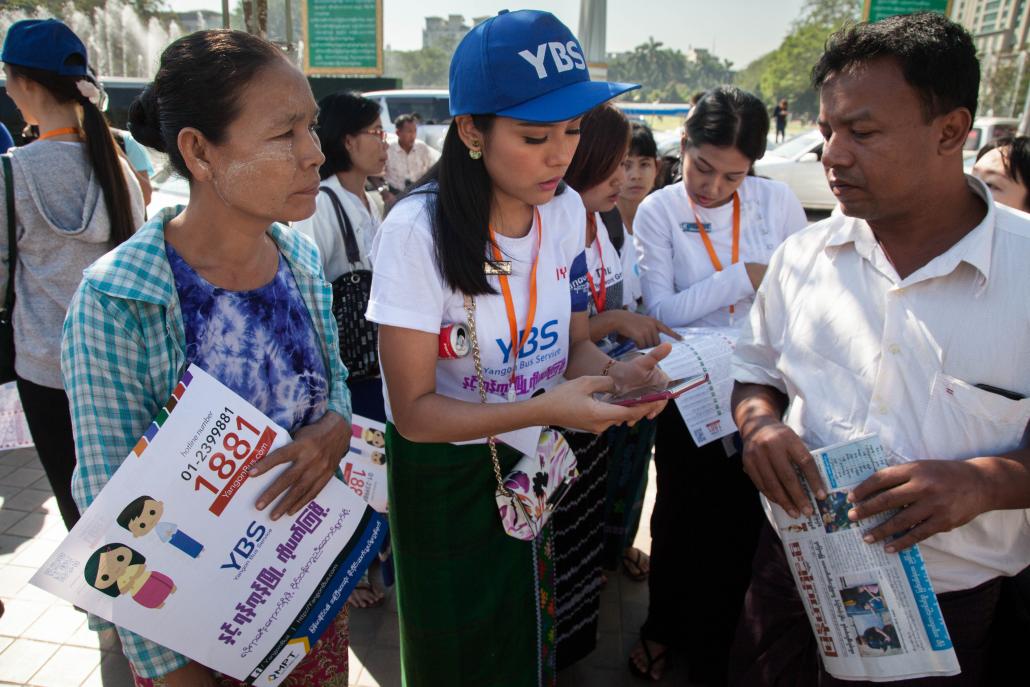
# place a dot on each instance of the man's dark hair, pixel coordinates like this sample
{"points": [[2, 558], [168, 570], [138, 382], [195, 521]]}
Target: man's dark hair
{"points": [[936, 56], [405, 119]]}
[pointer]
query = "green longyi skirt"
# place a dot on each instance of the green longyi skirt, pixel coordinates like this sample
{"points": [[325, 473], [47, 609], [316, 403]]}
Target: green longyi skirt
{"points": [[476, 606]]}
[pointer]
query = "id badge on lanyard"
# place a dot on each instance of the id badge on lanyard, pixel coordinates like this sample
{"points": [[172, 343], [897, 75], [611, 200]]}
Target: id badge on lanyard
{"points": [[509, 304], [734, 250]]}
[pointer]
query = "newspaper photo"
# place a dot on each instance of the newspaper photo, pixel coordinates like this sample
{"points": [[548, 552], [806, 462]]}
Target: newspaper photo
{"points": [[174, 550], [874, 614], [704, 350]]}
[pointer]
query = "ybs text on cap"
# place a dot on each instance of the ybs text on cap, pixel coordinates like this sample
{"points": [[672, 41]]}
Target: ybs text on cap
{"points": [[526, 65]]}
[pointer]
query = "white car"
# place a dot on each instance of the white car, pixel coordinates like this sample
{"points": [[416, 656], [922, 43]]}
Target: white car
{"points": [[432, 105], [797, 163]]}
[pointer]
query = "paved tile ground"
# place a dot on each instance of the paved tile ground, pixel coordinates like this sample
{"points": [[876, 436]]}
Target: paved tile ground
{"points": [[44, 642]]}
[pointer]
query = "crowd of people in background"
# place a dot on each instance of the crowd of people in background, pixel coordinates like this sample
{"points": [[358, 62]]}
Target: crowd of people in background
{"points": [[547, 217]]}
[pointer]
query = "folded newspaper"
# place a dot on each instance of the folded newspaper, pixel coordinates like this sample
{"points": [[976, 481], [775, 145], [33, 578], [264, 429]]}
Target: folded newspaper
{"points": [[875, 615]]}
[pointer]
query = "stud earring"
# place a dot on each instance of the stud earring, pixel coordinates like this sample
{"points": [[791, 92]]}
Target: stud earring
{"points": [[475, 153]]}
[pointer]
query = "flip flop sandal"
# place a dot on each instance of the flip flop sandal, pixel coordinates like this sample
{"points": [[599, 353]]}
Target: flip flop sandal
{"points": [[645, 674], [631, 564], [366, 586]]}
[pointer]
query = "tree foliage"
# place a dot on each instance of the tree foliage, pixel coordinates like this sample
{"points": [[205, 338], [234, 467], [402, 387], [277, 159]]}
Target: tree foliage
{"points": [[667, 74], [786, 71], [426, 67]]}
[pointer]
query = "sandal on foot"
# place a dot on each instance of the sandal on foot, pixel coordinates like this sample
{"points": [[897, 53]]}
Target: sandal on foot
{"points": [[376, 597], [633, 562], [652, 662]]}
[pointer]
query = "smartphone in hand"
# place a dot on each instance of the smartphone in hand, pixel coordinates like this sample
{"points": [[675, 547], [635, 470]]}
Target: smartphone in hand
{"points": [[658, 392]]}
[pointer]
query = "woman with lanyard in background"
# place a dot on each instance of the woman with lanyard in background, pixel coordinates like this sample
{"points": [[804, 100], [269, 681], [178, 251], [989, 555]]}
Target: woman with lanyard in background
{"points": [[704, 245], [475, 604], [354, 144], [222, 284], [75, 198], [579, 523]]}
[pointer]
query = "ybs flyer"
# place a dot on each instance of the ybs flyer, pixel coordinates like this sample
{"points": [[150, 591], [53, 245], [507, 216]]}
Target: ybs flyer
{"points": [[174, 550]]}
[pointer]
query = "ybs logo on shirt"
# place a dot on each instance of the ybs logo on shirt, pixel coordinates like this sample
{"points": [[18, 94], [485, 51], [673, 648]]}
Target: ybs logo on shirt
{"points": [[566, 56], [539, 340]]}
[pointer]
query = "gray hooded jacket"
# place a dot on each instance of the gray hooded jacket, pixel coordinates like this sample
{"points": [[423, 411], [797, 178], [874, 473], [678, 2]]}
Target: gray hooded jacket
{"points": [[62, 227]]}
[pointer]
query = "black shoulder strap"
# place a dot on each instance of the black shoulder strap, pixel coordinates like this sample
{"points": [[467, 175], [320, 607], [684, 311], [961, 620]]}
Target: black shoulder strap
{"points": [[350, 241], [12, 239], [613, 222]]}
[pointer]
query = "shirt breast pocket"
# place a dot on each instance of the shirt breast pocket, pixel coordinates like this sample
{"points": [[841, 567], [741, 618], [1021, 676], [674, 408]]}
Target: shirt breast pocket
{"points": [[963, 421]]}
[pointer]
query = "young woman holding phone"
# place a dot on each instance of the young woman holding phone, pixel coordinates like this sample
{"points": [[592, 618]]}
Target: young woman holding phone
{"points": [[475, 604]]}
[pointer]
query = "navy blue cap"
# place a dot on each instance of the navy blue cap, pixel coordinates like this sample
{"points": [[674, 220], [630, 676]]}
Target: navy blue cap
{"points": [[526, 65], [44, 44]]}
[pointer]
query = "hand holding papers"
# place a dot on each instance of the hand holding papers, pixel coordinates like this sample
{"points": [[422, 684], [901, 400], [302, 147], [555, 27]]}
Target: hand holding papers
{"points": [[874, 614]]}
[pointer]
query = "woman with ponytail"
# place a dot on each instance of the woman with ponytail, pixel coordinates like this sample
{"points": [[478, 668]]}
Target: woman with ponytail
{"points": [[75, 198]]}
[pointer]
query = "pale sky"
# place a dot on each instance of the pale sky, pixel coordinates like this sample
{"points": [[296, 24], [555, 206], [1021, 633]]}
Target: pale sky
{"points": [[738, 30]]}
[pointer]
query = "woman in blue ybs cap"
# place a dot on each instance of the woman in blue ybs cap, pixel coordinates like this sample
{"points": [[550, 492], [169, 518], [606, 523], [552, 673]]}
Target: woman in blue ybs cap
{"points": [[476, 605], [74, 199]]}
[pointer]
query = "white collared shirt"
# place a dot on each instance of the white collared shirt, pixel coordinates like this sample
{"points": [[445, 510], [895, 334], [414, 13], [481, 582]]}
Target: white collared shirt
{"points": [[404, 166], [857, 350], [324, 228]]}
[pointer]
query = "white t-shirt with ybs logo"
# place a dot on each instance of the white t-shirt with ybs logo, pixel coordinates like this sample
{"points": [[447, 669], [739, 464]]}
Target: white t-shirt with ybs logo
{"points": [[681, 286], [409, 291]]}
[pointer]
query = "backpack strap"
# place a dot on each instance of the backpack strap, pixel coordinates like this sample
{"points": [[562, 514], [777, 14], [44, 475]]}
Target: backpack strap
{"points": [[12, 239], [613, 222]]}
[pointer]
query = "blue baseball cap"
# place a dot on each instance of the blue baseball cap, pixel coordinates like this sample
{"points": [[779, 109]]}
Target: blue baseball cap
{"points": [[525, 65], [44, 44]]}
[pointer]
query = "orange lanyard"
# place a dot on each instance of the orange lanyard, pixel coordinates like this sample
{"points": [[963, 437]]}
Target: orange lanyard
{"points": [[61, 132], [734, 250], [509, 304], [599, 295]]}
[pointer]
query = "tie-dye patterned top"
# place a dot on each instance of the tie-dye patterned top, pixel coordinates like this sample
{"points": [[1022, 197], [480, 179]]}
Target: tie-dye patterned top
{"points": [[260, 343]]}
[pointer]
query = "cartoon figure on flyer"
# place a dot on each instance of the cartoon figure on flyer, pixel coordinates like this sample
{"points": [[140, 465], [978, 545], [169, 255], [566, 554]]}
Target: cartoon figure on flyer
{"points": [[143, 516], [116, 569], [370, 435]]}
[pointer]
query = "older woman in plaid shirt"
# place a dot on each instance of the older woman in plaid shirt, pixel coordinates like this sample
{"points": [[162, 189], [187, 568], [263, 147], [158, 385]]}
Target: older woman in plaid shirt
{"points": [[218, 283]]}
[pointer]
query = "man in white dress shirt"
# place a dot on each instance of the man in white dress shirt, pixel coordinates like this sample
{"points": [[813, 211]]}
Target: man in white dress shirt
{"points": [[906, 316], [407, 158]]}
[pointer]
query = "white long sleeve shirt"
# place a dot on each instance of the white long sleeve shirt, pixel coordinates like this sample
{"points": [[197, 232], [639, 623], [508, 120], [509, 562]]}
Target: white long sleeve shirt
{"points": [[680, 284]]}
